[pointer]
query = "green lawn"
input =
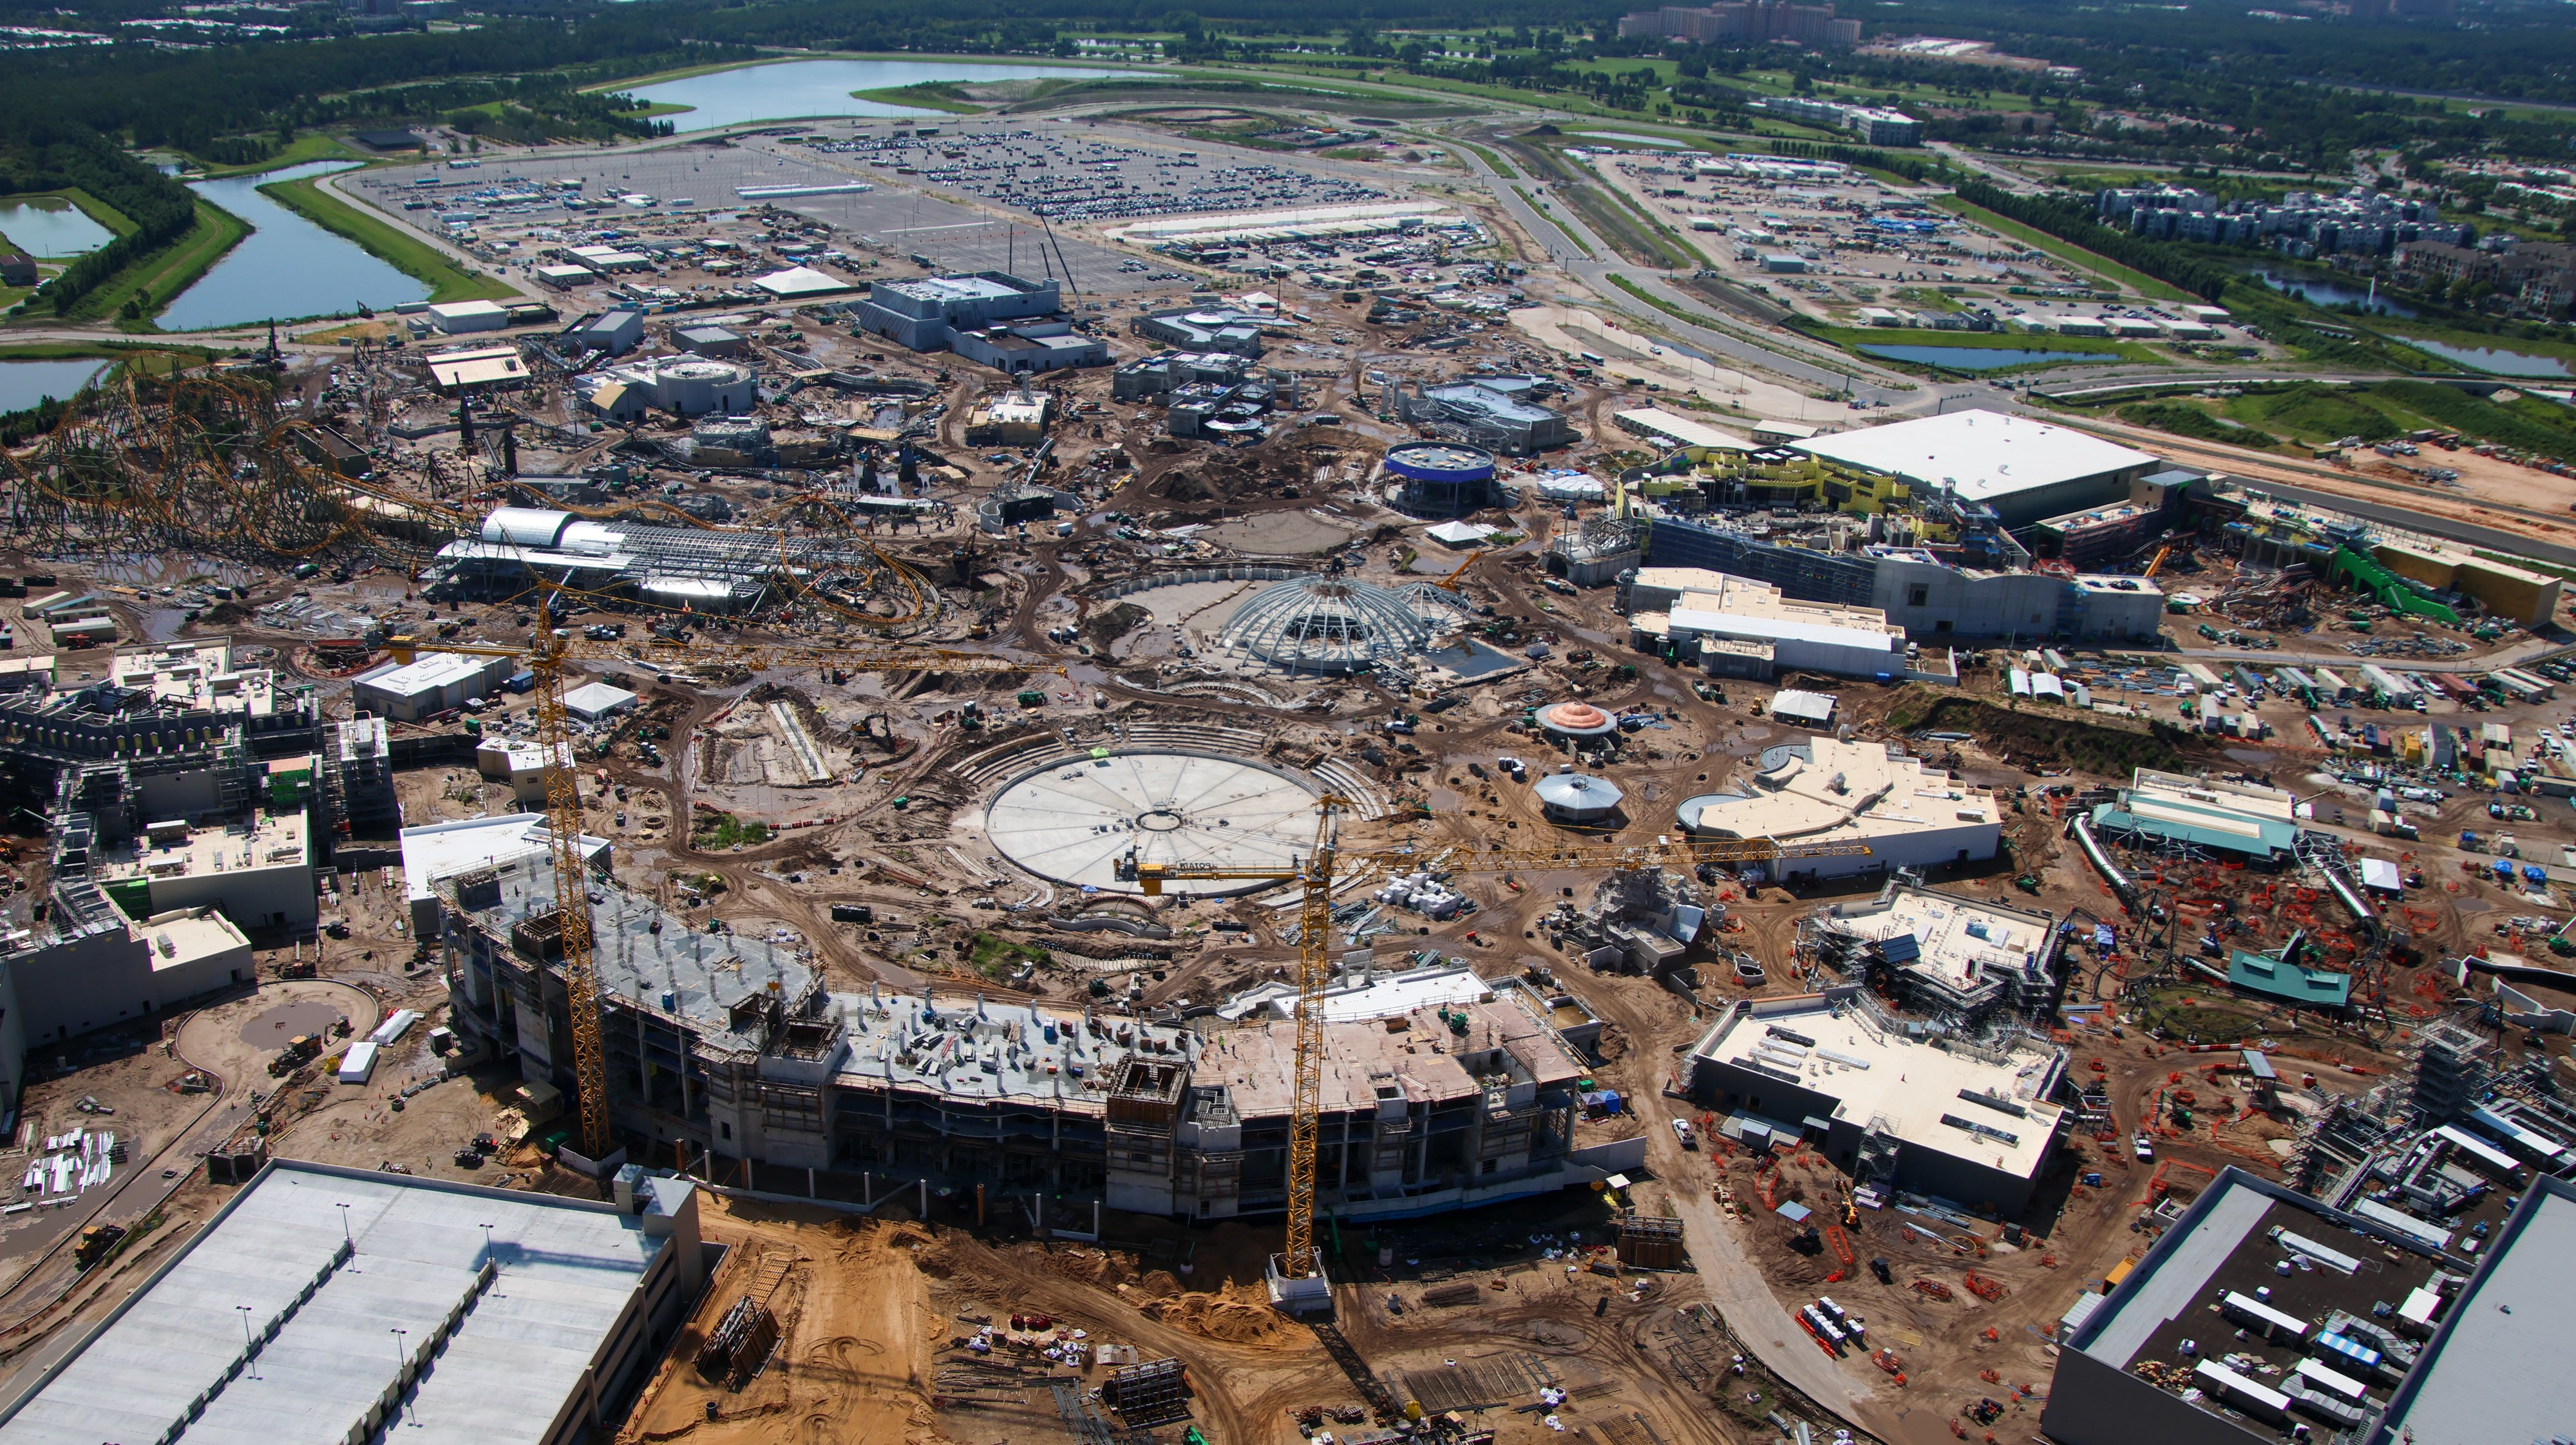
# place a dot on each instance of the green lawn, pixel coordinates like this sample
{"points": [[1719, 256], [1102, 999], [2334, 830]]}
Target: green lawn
{"points": [[307, 146], [1500, 167], [2102, 267], [929, 95], [448, 280]]}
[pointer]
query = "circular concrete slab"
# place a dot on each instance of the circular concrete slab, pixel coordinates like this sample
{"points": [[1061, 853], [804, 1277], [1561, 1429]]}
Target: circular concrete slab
{"points": [[1073, 821]]}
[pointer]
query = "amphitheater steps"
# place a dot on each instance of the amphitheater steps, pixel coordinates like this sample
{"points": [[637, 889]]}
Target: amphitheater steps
{"points": [[1340, 778]]}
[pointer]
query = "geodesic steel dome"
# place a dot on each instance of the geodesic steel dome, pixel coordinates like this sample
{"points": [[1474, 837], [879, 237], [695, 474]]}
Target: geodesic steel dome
{"points": [[1328, 624]]}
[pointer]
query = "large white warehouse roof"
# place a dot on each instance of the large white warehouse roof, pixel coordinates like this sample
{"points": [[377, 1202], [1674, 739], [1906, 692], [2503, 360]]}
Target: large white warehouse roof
{"points": [[1982, 454]]}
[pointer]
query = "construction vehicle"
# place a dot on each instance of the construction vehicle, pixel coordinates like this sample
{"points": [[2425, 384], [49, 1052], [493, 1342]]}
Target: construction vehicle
{"points": [[1321, 870], [546, 654], [2158, 565], [299, 1051], [95, 1244], [1450, 582]]}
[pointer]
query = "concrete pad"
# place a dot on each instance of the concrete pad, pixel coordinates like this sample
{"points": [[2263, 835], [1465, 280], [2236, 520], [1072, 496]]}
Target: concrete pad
{"points": [[1071, 822]]}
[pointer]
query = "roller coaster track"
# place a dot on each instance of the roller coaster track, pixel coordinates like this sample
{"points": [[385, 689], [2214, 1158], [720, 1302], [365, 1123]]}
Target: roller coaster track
{"points": [[197, 461]]}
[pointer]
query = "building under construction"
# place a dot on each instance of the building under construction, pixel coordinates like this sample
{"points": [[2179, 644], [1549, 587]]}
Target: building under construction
{"points": [[732, 1045], [677, 569]]}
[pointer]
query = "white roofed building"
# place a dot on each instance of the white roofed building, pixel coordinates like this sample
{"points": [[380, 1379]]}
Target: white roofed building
{"points": [[2027, 470], [1701, 608], [1899, 1112], [433, 683], [1824, 790]]}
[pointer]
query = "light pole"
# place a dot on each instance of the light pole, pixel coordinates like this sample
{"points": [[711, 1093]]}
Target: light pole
{"points": [[401, 1404], [487, 1247], [344, 1225], [247, 1342]]}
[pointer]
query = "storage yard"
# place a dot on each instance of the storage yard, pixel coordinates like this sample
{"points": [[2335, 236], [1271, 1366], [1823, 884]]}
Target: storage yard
{"points": [[1815, 911]]}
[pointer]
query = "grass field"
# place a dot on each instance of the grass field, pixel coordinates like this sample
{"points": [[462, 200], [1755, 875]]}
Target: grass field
{"points": [[2102, 267], [2315, 414], [929, 95], [309, 146], [1500, 166], [448, 281]]}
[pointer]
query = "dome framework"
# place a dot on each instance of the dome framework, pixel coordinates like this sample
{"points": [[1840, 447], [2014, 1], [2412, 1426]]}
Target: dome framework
{"points": [[1334, 625]]}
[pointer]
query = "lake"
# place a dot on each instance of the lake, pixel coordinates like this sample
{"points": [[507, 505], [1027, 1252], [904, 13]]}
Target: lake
{"points": [[801, 89], [288, 268], [1982, 358], [25, 383], [2493, 360], [2332, 293], [51, 226]]}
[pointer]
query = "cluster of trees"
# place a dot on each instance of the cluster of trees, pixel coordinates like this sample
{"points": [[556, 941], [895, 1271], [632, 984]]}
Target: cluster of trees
{"points": [[2170, 264], [60, 157], [1913, 168], [188, 99]]}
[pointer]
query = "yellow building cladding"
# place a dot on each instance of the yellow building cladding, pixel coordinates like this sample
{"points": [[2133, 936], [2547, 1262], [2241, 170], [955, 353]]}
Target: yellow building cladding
{"points": [[1768, 480], [2509, 592]]}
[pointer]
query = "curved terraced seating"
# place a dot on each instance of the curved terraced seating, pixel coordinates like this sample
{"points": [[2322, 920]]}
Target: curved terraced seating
{"points": [[994, 764], [1341, 778]]}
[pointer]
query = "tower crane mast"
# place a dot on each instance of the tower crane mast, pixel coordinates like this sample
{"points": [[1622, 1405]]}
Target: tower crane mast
{"points": [[546, 654], [1316, 875]]}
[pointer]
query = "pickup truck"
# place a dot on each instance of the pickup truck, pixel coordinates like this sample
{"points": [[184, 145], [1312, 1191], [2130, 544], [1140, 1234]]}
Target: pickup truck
{"points": [[1682, 1131], [2146, 1147]]}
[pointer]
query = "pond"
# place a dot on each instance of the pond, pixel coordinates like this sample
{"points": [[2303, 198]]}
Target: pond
{"points": [[50, 226], [799, 89], [2495, 361], [1982, 358], [23, 384], [2317, 292], [286, 268]]}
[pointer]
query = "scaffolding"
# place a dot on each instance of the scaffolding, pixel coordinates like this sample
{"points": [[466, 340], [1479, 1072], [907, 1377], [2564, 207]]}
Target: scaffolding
{"points": [[1148, 1394], [1652, 1241]]}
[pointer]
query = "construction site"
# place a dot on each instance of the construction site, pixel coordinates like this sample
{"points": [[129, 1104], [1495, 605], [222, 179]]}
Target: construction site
{"points": [[1325, 873]]}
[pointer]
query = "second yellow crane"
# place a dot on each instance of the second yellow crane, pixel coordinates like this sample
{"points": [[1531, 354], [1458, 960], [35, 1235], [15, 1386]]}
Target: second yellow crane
{"points": [[1317, 875]]}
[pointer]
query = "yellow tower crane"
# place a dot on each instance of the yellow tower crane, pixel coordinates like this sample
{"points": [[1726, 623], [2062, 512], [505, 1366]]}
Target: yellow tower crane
{"points": [[545, 654], [1316, 875]]}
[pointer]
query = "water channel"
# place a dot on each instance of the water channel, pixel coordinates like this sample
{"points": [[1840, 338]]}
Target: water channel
{"points": [[800, 89], [2494, 360], [1981, 358], [50, 226], [287, 267], [24, 384]]}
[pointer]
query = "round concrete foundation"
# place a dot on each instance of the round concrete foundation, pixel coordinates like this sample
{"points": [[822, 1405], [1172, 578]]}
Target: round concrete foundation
{"points": [[1073, 821]]}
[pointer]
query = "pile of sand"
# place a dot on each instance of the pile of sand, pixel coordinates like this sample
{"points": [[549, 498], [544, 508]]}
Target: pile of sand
{"points": [[1241, 1315]]}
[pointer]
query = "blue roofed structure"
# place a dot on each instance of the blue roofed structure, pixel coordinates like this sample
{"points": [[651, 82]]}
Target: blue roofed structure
{"points": [[2286, 978], [2238, 819]]}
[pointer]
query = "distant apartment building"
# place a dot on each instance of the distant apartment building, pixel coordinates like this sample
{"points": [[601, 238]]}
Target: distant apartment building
{"points": [[2305, 224], [1873, 125]]}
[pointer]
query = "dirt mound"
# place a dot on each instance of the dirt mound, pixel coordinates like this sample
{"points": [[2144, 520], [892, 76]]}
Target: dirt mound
{"points": [[855, 1339], [1241, 1315], [2055, 738]]}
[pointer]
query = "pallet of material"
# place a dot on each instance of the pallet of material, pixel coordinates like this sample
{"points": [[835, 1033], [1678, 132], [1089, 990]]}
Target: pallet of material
{"points": [[1448, 1295]]}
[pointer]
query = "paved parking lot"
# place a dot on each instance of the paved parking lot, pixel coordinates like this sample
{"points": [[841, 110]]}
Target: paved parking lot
{"points": [[694, 194], [1069, 175]]}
